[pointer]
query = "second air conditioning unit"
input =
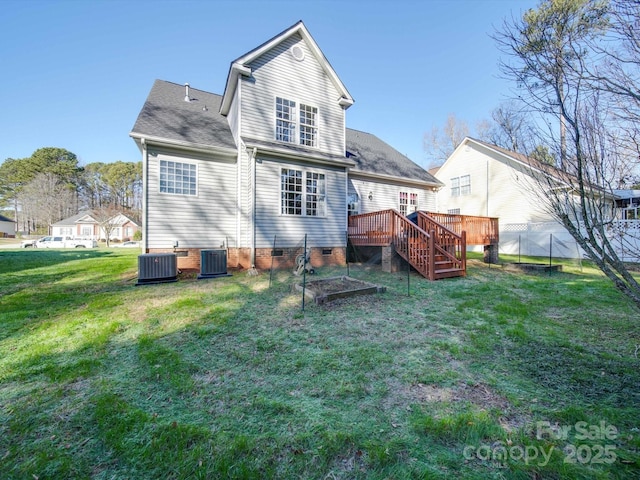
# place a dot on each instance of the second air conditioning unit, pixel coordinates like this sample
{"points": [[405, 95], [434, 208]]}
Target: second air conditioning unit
{"points": [[213, 264]]}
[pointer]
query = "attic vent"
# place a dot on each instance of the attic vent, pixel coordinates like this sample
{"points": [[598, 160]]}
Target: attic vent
{"points": [[297, 52]]}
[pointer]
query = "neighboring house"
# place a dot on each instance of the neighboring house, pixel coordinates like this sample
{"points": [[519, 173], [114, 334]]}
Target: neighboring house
{"points": [[483, 179], [266, 163], [7, 227], [85, 225]]}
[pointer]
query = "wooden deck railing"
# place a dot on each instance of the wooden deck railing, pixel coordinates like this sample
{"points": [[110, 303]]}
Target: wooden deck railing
{"points": [[419, 244], [480, 230], [371, 229], [414, 245], [449, 244]]}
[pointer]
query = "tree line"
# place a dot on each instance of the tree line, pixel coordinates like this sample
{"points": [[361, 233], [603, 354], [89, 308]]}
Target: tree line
{"points": [[50, 185]]}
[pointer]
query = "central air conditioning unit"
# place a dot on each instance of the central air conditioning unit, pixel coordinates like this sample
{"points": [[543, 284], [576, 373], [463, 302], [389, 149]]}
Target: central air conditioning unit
{"points": [[157, 268], [213, 264]]}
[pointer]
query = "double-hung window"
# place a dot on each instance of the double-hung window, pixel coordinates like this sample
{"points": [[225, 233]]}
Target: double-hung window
{"points": [[465, 185], [285, 120], [178, 178], [308, 126], [289, 118], [302, 193], [461, 185], [455, 187]]}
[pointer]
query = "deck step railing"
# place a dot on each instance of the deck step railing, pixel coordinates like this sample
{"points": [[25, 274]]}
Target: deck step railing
{"points": [[432, 249]]}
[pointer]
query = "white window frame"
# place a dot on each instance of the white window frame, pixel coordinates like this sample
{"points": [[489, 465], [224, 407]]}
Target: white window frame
{"points": [[455, 187], [461, 186], [465, 185], [413, 202], [172, 184], [285, 115], [296, 122], [305, 195], [308, 126], [403, 206], [353, 204]]}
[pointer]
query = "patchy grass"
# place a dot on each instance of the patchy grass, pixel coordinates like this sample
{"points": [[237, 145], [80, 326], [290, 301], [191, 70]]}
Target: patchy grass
{"points": [[496, 375]]}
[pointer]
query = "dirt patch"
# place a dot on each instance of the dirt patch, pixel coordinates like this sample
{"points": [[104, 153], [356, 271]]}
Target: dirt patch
{"points": [[329, 289]]}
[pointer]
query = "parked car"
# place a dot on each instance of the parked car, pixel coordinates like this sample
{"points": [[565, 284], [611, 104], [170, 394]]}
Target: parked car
{"points": [[129, 244], [65, 242], [28, 243]]}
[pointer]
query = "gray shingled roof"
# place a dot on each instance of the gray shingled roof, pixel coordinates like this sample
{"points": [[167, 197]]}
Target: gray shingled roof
{"points": [[5, 219], [165, 114], [372, 155], [73, 219]]}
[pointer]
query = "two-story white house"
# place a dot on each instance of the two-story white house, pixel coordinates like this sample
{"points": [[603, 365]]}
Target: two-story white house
{"points": [[266, 163], [484, 179]]}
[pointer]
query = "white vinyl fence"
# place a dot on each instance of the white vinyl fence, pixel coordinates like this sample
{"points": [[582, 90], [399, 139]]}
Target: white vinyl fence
{"points": [[552, 239]]}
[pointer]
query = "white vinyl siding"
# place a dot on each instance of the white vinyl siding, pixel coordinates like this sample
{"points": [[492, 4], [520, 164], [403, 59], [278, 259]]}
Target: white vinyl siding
{"points": [[326, 230], [278, 74], [375, 195], [508, 194], [203, 221]]}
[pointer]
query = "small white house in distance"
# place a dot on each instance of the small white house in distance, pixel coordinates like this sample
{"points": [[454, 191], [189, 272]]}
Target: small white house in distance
{"points": [[85, 225], [483, 179], [7, 227]]}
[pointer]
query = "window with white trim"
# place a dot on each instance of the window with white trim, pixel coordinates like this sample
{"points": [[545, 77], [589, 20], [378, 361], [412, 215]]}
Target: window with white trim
{"points": [[461, 185], [302, 193], [408, 203], [308, 126], [465, 185], [285, 120], [288, 118], [413, 202], [353, 204], [404, 202], [455, 187], [178, 178]]}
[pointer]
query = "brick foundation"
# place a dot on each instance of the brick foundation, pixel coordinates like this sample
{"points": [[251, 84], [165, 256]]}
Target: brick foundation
{"points": [[240, 258]]}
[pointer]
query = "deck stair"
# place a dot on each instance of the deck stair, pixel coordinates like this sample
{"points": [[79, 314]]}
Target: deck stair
{"points": [[430, 248]]}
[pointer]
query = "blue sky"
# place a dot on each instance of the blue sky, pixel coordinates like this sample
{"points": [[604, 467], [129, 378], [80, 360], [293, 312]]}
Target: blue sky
{"points": [[76, 73]]}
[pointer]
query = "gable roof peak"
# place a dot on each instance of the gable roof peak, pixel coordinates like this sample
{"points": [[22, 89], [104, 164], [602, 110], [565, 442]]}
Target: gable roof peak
{"points": [[240, 66]]}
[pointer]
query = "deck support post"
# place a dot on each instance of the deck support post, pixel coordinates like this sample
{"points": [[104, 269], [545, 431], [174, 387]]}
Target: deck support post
{"points": [[391, 260], [491, 253]]}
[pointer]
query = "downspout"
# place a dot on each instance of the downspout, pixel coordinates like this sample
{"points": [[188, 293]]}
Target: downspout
{"points": [[253, 208], [145, 183]]}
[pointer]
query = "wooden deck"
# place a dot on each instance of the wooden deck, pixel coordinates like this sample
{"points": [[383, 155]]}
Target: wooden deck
{"points": [[433, 249], [480, 230]]}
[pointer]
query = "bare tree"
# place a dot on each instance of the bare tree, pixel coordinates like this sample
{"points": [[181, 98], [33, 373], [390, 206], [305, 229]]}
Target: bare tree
{"points": [[550, 56], [47, 199], [107, 218], [440, 143]]}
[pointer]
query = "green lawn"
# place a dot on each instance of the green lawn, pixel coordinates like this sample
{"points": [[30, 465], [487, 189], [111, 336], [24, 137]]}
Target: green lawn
{"points": [[496, 375]]}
